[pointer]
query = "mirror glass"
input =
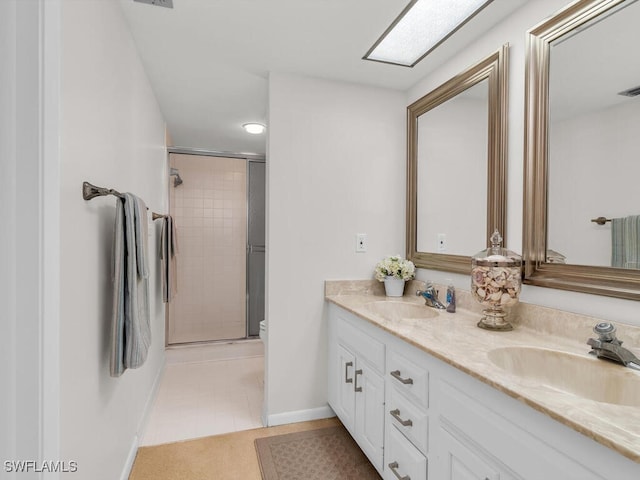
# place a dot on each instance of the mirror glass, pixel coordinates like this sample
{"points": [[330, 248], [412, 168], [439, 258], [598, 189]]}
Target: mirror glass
{"points": [[456, 166], [452, 173], [594, 145], [582, 203]]}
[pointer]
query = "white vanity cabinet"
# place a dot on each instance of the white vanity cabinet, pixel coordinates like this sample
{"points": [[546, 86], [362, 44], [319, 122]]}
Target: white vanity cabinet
{"points": [[420, 418], [356, 386]]}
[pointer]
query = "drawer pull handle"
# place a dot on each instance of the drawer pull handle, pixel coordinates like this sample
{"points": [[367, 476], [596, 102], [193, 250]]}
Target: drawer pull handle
{"points": [[396, 414], [394, 468], [355, 385], [407, 381], [346, 372]]}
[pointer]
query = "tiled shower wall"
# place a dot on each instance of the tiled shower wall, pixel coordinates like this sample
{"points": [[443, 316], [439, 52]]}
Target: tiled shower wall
{"points": [[210, 212]]}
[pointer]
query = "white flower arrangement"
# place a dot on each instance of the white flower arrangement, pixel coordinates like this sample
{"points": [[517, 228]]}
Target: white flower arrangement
{"points": [[395, 266]]}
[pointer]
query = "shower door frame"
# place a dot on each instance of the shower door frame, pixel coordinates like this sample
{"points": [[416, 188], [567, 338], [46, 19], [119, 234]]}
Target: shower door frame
{"points": [[250, 250], [248, 157]]}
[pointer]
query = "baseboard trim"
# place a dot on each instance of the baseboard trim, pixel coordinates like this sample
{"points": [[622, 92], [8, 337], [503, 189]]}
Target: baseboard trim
{"points": [[128, 465], [300, 416], [133, 450], [144, 419]]}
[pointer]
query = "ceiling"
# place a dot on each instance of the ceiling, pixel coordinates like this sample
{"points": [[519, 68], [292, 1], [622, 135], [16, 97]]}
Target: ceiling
{"points": [[208, 61]]}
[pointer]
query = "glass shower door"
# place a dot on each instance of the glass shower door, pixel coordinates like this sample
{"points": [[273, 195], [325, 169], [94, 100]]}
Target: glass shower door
{"points": [[210, 211], [255, 246]]}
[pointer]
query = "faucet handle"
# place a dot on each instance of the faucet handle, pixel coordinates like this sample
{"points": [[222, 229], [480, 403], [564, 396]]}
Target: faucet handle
{"points": [[606, 332]]}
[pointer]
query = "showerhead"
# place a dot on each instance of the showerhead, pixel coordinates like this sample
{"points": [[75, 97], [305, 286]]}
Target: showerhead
{"points": [[173, 172]]}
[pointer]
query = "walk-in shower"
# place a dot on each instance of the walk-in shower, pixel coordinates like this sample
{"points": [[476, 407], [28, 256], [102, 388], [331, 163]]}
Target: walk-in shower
{"points": [[219, 213]]}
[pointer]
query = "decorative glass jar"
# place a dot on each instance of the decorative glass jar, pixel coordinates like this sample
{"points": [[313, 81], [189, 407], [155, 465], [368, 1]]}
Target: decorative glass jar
{"points": [[495, 282]]}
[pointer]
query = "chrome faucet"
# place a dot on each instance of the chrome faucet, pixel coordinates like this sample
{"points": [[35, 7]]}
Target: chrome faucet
{"points": [[608, 346], [430, 295]]}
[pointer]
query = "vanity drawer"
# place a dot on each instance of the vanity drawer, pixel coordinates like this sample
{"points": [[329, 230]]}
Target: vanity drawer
{"points": [[410, 419], [362, 344], [402, 459], [409, 377]]}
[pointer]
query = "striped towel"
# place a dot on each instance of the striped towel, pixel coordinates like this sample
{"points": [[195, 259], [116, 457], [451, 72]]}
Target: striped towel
{"points": [[130, 326], [625, 242]]}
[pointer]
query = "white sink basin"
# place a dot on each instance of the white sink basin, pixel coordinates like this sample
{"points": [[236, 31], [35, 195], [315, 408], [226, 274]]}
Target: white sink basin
{"points": [[583, 376], [391, 310]]}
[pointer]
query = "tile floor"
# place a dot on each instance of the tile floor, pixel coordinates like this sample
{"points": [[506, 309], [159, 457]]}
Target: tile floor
{"points": [[208, 390]]}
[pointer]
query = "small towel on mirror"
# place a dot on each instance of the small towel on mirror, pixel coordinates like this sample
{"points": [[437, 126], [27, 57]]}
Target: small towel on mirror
{"points": [[625, 242]]}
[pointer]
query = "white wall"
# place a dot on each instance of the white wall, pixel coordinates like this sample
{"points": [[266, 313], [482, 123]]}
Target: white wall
{"points": [[112, 135], [513, 30], [335, 168]]}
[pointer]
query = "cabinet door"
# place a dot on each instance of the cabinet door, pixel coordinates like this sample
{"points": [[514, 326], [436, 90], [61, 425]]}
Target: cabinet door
{"points": [[344, 384], [369, 388], [463, 462]]}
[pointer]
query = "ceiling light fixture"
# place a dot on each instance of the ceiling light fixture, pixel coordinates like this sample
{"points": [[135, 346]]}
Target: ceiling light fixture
{"points": [[420, 28], [254, 128], [159, 3]]}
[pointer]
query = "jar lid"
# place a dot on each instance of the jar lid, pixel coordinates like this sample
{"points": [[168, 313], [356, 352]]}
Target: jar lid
{"points": [[495, 255]]}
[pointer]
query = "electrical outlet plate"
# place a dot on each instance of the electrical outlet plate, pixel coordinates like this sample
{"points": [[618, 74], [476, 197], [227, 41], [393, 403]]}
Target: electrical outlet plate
{"points": [[361, 242], [442, 242]]}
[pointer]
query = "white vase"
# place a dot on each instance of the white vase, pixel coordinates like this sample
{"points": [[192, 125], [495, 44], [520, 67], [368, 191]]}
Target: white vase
{"points": [[394, 287]]}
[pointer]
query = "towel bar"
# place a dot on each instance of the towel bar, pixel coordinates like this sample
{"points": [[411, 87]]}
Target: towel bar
{"points": [[90, 191]]}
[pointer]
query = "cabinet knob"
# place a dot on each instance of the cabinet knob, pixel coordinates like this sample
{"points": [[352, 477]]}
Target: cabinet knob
{"points": [[396, 414], [407, 381], [394, 468]]}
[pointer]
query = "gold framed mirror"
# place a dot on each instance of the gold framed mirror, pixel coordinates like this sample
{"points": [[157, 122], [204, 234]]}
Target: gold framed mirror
{"points": [[581, 148], [456, 166]]}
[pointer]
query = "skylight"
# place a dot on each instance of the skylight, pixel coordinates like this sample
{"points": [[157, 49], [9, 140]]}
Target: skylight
{"points": [[421, 27]]}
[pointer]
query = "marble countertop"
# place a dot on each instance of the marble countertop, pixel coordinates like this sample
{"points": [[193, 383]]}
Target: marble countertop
{"points": [[455, 339]]}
